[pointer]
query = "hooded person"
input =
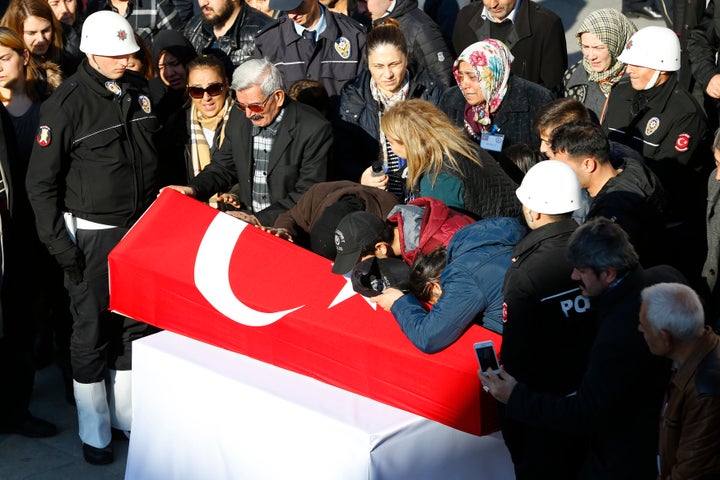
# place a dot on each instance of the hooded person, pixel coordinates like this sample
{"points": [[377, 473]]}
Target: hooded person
{"points": [[171, 53]]}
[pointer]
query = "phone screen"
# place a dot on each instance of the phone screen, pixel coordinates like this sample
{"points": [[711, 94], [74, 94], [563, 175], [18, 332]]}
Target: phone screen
{"points": [[486, 358]]}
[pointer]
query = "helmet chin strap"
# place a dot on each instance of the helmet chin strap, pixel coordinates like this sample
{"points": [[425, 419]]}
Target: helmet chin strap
{"points": [[653, 80]]}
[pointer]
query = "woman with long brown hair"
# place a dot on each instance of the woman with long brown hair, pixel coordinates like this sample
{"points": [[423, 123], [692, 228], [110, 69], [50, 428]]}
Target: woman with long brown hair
{"points": [[35, 23]]}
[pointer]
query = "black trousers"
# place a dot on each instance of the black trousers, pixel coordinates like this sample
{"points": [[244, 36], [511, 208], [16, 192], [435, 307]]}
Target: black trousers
{"points": [[100, 339]]}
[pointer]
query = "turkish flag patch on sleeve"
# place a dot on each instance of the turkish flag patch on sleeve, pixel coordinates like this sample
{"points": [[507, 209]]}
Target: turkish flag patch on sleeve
{"points": [[504, 313], [43, 136], [682, 143]]}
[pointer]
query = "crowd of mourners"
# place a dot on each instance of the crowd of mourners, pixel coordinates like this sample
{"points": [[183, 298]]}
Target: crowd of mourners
{"points": [[448, 160]]}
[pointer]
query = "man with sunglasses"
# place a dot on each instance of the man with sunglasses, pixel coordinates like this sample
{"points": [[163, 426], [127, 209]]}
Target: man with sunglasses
{"points": [[274, 149], [312, 42]]}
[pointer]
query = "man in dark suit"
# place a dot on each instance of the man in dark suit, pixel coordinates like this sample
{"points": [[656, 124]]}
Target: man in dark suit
{"points": [[275, 148], [534, 35]]}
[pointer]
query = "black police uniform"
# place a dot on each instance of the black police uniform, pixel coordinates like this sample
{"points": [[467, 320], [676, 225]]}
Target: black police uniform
{"points": [[334, 59], [665, 124], [95, 158], [547, 337]]}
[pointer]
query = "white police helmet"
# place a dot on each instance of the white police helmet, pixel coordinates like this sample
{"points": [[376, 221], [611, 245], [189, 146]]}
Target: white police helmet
{"points": [[550, 187], [653, 47], [108, 34]]}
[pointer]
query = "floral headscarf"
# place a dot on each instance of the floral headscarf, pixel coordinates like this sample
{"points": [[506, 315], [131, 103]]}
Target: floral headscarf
{"points": [[614, 30], [491, 60]]}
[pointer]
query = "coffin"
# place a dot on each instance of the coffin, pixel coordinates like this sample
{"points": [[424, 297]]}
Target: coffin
{"points": [[187, 268]]}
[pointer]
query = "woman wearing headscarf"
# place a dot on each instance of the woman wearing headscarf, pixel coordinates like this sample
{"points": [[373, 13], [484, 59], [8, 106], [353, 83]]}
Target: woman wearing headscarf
{"points": [[602, 36], [495, 107]]}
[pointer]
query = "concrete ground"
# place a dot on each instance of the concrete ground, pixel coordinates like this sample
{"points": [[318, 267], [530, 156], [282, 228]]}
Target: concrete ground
{"points": [[61, 457]]}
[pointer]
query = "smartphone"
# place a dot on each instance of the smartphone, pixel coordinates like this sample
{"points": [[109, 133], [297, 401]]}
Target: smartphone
{"points": [[487, 358]]}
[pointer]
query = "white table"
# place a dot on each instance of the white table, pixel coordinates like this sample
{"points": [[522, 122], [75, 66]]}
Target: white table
{"points": [[201, 412]]}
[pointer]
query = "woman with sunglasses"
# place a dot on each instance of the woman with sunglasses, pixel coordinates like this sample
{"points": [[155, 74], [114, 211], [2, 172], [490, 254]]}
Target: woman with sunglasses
{"points": [[208, 115], [387, 80]]}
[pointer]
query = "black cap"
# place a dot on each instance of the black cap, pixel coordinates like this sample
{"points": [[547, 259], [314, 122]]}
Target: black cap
{"points": [[322, 234], [284, 5], [354, 231]]}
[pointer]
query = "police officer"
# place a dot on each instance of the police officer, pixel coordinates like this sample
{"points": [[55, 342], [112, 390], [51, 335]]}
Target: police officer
{"points": [[548, 328], [657, 117], [313, 42], [92, 174], [653, 114]]}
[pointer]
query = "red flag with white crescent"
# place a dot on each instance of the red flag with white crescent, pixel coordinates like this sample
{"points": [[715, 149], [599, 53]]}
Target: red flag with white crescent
{"points": [[190, 269]]}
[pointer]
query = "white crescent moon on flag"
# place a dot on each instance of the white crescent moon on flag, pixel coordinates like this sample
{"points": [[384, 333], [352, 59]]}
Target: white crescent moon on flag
{"points": [[212, 273]]}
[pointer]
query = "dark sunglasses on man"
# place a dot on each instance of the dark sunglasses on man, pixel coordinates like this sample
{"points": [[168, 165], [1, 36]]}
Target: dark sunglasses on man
{"points": [[214, 89]]}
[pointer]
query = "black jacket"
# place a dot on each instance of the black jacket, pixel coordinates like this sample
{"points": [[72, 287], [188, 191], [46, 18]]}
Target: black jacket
{"points": [[618, 402], [635, 200], [298, 160], [426, 46], [358, 126], [548, 332], [668, 127], [536, 40], [544, 306], [238, 43], [336, 59], [100, 161]]}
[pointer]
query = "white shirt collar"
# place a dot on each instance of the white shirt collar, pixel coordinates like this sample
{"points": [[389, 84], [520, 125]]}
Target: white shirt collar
{"points": [[486, 15]]}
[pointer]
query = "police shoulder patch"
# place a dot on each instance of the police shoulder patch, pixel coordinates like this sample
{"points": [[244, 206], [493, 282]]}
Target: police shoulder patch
{"points": [[43, 136]]}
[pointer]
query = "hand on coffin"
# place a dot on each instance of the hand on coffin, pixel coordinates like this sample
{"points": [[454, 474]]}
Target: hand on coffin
{"points": [[189, 191], [369, 180], [278, 232], [387, 298], [245, 217], [499, 385], [230, 199]]}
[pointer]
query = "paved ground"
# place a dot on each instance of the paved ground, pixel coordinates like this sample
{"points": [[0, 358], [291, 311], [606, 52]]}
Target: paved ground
{"points": [[60, 457]]}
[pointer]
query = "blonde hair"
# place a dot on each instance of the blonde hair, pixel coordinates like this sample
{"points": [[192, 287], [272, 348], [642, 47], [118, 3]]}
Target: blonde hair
{"points": [[430, 139]]}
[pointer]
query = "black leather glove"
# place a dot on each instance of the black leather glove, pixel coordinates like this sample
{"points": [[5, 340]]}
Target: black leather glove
{"points": [[72, 261]]}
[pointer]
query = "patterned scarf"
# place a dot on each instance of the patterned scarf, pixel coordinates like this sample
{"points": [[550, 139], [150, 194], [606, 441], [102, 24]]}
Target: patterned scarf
{"points": [[393, 165], [491, 60], [614, 30], [199, 147]]}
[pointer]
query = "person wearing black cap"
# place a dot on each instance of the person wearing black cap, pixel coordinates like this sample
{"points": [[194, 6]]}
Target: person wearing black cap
{"points": [[411, 229], [226, 29], [313, 42]]}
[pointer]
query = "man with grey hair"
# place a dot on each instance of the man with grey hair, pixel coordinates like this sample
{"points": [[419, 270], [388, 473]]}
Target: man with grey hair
{"points": [[275, 148], [619, 398], [672, 322]]}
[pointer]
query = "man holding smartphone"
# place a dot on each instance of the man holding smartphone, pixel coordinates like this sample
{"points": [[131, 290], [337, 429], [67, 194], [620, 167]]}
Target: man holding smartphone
{"points": [[545, 317], [619, 398]]}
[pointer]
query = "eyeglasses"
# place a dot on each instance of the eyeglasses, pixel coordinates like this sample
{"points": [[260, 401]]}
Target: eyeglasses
{"points": [[254, 107], [214, 89]]}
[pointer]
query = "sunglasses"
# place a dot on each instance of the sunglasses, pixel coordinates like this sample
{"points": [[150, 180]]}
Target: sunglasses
{"points": [[254, 107], [214, 89]]}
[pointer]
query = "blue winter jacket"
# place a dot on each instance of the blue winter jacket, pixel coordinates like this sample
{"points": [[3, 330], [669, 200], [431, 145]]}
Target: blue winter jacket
{"points": [[477, 259]]}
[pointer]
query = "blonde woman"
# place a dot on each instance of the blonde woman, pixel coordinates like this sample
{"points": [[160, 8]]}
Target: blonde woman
{"points": [[444, 164]]}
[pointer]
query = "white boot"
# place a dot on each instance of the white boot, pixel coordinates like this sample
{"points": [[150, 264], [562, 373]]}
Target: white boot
{"points": [[120, 399], [93, 413]]}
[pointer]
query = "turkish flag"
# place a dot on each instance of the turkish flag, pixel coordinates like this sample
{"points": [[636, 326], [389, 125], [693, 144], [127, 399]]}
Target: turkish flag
{"points": [[187, 268]]}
